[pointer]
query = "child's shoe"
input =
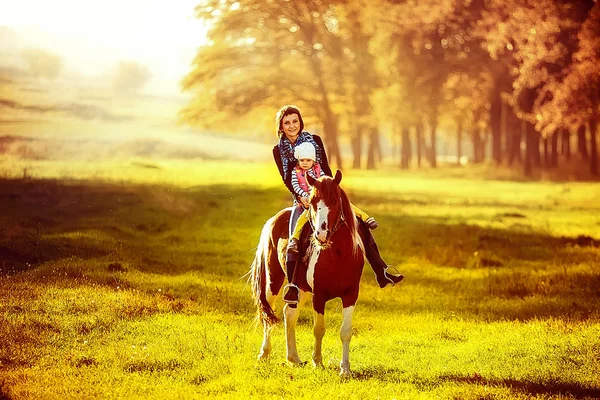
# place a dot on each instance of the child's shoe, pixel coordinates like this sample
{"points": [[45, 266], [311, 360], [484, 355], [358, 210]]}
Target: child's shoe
{"points": [[371, 223]]}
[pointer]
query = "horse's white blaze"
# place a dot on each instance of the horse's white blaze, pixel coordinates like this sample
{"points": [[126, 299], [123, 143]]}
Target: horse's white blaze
{"points": [[321, 217], [310, 273]]}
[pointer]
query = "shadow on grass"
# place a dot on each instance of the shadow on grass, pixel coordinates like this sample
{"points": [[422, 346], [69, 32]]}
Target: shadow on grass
{"points": [[215, 229], [531, 388], [467, 246], [528, 388]]}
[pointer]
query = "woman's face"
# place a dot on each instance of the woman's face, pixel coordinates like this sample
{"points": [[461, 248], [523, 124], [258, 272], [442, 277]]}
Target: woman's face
{"points": [[291, 126]]}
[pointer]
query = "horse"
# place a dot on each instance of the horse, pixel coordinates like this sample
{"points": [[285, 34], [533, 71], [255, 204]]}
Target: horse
{"points": [[335, 263]]}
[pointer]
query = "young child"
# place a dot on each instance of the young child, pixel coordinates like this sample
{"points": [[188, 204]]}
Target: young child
{"points": [[305, 153]]}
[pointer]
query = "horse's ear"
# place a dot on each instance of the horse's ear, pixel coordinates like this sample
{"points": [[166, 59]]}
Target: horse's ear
{"points": [[311, 181], [338, 177]]}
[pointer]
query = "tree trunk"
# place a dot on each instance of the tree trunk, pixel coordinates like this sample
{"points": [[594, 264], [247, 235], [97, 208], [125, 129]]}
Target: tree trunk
{"points": [[581, 142], [373, 145], [504, 151], [406, 148], [330, 122], [357, 148], [547, 160], [554, 149], [527, 162], [518, 138], [495, 126], [484, 144], [511, 136], [378, 156], [419, 130], [566, 145], [593, 144], [476, 140], [459, 141], [535, 147], [331, 134], [433, 155]]}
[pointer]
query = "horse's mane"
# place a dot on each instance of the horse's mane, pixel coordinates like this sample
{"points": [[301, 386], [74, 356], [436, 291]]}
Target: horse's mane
{"points": [[329, 189]]}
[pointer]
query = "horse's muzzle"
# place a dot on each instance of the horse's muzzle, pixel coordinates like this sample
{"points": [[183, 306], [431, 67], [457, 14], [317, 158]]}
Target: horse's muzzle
{"points": [[322, 236]]}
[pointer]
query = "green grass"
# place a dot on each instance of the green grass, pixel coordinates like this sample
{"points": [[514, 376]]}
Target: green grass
{"points": [[129, 283]]}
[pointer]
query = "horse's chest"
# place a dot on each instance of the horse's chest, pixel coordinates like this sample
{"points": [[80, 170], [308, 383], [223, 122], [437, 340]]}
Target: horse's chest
{"points": [[331, 268]]}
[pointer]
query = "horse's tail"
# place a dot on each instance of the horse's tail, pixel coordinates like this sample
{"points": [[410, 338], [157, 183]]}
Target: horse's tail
{"points": [[259, 276]]}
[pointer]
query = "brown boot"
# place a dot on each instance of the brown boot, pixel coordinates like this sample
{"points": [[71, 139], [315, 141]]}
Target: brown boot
{"points": [[291, 292]]}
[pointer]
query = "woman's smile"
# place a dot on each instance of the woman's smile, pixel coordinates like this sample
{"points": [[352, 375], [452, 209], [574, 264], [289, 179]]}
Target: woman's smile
{"points": [[291, 125]]}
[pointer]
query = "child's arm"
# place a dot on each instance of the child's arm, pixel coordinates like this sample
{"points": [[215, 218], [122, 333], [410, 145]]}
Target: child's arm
{"points": [[296, 186]]}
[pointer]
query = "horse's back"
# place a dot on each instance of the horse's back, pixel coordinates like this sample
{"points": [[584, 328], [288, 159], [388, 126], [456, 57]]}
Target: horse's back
{"points": [[280, 224]]}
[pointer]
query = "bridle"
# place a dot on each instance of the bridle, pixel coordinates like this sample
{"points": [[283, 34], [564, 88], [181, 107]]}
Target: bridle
{"points": [[338, 222]]}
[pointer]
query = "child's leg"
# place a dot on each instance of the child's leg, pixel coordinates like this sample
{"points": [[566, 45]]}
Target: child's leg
{"points": [[359, 213], [364, 217], [302, 219]]}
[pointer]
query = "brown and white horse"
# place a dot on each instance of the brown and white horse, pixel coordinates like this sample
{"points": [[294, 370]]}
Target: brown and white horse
{"points": [[335, 263]]}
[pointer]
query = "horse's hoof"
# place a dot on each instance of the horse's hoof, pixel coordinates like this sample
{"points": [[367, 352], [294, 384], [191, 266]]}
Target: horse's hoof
{"points": [[296, 362], [345, 374], [263, 356], [318, 364]]}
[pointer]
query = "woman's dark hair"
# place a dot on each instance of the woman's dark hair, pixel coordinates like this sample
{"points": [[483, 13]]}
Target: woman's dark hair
{"points": [[283, 112]]}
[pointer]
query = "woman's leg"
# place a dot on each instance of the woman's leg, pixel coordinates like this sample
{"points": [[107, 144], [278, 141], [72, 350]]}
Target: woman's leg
{"points": [[372, 253], [291, 294]]}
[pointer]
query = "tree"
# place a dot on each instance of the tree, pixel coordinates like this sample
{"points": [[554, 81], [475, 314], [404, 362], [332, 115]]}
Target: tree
{"points": [[130, 76], [42, 63], [265, 54], [577, 100]]}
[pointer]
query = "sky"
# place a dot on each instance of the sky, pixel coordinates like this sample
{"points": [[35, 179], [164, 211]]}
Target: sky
{"points": [[93, 37]]}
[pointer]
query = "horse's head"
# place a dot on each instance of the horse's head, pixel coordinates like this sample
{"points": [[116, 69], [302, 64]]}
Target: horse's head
{"points": [[327, 206]]}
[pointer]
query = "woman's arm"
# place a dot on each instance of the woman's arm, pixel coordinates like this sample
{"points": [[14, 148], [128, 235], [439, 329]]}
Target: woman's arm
{"points": [[324, 162], [286, 179]]}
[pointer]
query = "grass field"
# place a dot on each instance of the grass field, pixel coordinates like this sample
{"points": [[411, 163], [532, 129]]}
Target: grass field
{"points": [[129, 282]]}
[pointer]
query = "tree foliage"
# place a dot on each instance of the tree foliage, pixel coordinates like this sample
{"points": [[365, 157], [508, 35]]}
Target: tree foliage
{"points": [[359, 68]]}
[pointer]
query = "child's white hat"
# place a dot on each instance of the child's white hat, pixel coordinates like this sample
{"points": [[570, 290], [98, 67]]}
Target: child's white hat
{"points": [[305, 150]]}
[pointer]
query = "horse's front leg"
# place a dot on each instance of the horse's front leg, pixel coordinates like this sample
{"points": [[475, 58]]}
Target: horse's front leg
{"points": [[319, 331], [290, 319], [345, 335]]}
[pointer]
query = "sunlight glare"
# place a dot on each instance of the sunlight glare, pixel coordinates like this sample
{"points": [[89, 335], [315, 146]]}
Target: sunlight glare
{"points": [[92, 37]]}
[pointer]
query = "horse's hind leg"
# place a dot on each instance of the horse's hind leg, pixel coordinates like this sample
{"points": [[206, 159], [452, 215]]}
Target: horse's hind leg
{"points": [[266, 346], [319, 331], [345, 335]]}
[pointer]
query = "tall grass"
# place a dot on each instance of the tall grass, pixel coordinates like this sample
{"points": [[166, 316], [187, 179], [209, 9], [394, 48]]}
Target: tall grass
{"points": [[130, 284]]}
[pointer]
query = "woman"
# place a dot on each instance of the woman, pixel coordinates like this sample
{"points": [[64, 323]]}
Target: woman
{"points": [[290, 131]]}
